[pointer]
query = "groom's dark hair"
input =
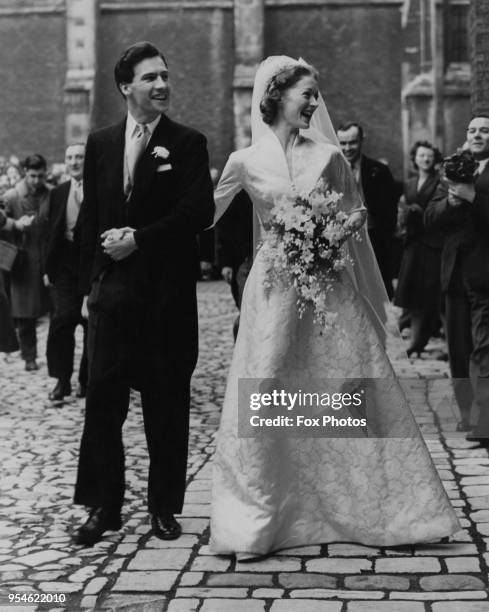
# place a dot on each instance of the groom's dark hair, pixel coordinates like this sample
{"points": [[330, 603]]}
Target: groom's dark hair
{"points": [[124, 69]]}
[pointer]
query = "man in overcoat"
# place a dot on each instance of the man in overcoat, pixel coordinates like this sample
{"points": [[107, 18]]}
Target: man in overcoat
{"points": [[380, 194], [29, 199], [461, 212]]}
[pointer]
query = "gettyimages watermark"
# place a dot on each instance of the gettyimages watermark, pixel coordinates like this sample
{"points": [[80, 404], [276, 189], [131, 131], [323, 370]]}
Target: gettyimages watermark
{"points": [[327, 408]]}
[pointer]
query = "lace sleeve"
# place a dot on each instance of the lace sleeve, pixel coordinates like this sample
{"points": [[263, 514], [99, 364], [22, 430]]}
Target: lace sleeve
{"points": [[229, 185]]}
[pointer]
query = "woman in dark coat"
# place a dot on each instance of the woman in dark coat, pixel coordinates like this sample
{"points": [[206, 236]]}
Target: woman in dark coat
{"points": [[418, 288]]}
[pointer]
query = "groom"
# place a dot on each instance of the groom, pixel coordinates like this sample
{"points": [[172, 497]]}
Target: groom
{"points": [[147, 194]]}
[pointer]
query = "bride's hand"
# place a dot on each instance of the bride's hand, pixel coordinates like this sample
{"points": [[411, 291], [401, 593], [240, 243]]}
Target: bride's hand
{"points": [[355, 221]]}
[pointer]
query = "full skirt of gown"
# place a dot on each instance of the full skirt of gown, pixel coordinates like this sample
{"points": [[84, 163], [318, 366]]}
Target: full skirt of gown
{"points": [[271, 493]]}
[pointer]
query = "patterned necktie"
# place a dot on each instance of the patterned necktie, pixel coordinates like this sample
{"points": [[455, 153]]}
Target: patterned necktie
{"points": [[134, 152]]}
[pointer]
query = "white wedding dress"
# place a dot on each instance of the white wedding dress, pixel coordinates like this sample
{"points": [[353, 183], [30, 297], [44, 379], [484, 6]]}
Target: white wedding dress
{"points": [[274, 493]]}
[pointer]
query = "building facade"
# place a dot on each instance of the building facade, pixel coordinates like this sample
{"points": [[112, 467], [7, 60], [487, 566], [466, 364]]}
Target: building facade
{"points": [[57, 77], [436, 73]]}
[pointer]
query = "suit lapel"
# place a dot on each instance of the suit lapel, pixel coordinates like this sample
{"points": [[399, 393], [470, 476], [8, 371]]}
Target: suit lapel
{"points": [[365, 175], [115, 163], [482, 181], [427, 187], [60, 202], [148, 163]]}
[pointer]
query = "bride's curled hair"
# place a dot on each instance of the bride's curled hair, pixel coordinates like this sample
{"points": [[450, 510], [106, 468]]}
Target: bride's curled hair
{"points": [[280, 82]]}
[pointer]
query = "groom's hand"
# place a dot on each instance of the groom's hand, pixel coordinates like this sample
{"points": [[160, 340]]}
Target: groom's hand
{"points": [[119, 243]]}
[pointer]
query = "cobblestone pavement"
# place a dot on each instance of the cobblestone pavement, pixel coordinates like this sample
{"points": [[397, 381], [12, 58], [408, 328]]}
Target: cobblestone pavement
{"points": [[131, 570]]}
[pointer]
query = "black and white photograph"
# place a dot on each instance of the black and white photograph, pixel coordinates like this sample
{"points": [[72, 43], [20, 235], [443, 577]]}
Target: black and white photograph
{"points": [[244, 305]]}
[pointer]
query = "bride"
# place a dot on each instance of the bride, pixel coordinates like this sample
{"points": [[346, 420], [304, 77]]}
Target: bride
{"points": [[275, 492]]}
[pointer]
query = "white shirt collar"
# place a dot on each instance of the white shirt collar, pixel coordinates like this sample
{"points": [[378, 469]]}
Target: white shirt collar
{"points": [[131, 124]]}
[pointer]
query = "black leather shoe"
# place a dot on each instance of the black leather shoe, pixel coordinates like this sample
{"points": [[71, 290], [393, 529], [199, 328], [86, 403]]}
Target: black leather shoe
{"points": [[81, 391], [413, 350], [165, 527], [99, 521], [474, 437], [61, 389], [31, 365]]}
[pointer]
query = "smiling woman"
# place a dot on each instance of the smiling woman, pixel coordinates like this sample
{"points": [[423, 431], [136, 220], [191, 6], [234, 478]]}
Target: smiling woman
{"points": [[274, 493], [294, 91]]}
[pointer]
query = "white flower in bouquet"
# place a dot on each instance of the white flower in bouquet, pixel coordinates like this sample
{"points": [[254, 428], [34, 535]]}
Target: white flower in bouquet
{"points": [[304, 248]]}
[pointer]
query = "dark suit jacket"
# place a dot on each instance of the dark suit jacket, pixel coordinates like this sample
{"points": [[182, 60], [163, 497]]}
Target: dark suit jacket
{"points": [[56, 227], [465, 255], [29, 298], [418, 284], [168, 208], [234, 232], [381, 195], [412, 221]]}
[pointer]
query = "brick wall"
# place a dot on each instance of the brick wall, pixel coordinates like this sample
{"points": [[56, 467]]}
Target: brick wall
{"points": [[357, 49], [358, 53], [198, 47], [32, 74], [480, 55]]}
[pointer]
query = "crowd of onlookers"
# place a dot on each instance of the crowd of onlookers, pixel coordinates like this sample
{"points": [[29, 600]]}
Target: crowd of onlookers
{"points": [[412, 227], [404, 249], [27, 191], [12, 171]]}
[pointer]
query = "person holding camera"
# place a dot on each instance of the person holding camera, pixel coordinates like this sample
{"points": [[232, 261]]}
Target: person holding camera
{"points": [[460, 208]]}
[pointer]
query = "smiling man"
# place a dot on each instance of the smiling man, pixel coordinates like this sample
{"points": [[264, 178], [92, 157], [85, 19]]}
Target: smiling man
{"points": [[461, 210], [148, 193], [380, 194]]}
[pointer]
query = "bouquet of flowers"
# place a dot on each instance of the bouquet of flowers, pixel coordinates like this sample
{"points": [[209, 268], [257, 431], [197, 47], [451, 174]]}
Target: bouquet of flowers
{"points": [[460, 167], [304, 248]]}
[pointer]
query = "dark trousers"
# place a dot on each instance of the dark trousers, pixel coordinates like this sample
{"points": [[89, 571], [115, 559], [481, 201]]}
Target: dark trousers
{"points": [[26, 333], [467, 330], [423, 322], [238, 282], [383, 246], [122, 340], [8, 339], [65, 317]]}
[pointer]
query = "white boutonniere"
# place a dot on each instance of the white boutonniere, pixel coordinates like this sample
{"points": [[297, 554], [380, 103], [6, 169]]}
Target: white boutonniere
{"points": [[160, 153]]}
